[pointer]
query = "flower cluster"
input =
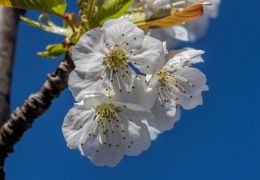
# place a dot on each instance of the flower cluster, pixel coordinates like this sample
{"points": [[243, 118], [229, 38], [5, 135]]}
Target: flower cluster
{"points": [[187, 32], [128, 90]]}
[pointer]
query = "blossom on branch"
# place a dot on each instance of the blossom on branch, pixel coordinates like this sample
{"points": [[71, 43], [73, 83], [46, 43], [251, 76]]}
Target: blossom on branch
{"points": [[104, 130], [128, 89], [108, 58], [177, 85]]}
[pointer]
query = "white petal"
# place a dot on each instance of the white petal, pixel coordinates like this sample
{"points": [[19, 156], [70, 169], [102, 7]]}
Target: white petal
{"points": [[93, 100], [133, 43], [139, 138], [80, 85], [144, 96], [151, 56], [190, 103], [133, 107], [138, 95], [73, 125], [88, 53], [186, 57], [89, 63], [178, 32], [165, 47], [197, 78], [153, 131], [137, 135], [165, 116], [102, 154], [162, 35], [197, 28], [117, 30], [91, 41], [153, 83]]}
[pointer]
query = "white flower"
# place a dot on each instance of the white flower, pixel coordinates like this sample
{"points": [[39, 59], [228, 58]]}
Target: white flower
{"points": [[177, 84], [188, 32], [161, 8], [199, 27], [105, 130], [172, 35], [127, 94], [108, 57]]}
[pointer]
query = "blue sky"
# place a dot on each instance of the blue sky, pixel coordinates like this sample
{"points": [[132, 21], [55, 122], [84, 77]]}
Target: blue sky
{"points": [[217, 141]]}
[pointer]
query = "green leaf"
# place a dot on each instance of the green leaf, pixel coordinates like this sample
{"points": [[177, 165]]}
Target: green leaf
{"points": [[57, 7], [53, 51], [30, 22], [112, 9], [46, 24]]}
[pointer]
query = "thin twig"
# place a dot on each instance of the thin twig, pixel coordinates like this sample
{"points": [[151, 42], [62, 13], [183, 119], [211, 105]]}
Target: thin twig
{"points": [[23, 117]]}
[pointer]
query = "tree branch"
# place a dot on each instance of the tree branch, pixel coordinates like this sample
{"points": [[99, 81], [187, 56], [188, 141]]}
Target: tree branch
{"points": [[8, 28], [23, 117]]}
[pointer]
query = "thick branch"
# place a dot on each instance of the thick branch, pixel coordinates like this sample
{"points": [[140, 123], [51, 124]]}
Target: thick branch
{"points": [[22, 118], [8, 29]]}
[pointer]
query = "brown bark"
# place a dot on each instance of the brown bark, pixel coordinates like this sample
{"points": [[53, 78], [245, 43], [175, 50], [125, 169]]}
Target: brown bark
{"points": [[23, 117], [8, 29]]}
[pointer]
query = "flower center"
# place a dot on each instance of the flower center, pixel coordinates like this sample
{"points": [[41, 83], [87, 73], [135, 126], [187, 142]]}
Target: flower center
{"points": [[163, 78], [108, 124], [106, 115], [171, 87], [117, 69], [107, 112], [115, 58]]}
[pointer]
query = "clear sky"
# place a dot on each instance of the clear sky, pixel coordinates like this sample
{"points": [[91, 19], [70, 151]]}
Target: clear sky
{"points": [[217, 141]]}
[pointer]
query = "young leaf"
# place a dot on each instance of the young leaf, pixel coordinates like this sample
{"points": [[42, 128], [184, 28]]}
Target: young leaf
{"points": [[53, 51], [112, 9], [46, 24], [57, 7], [30, 22], [190, 13]]}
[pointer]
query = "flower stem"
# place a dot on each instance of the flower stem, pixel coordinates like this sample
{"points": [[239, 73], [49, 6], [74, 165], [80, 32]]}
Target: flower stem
{"points": [[91, 8]]}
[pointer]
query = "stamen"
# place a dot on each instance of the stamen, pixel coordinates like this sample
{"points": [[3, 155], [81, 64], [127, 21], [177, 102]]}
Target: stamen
{"points": [[116, 64], [108, 116], [170, 86]]}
